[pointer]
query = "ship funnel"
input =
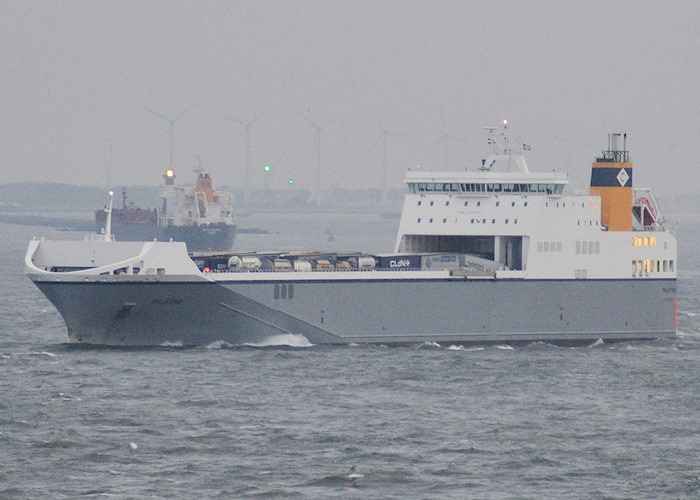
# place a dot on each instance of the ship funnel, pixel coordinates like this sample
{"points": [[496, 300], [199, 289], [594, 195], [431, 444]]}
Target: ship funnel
{"points": [[611, 179]]}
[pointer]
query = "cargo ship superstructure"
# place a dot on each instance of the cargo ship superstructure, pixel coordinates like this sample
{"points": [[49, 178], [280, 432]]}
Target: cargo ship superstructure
{"points": [[497, 254], [200, 216]]}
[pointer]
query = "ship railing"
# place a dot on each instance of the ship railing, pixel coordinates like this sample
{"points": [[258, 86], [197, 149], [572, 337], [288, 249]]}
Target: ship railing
{"points": [[351, 270], [453, 272]]}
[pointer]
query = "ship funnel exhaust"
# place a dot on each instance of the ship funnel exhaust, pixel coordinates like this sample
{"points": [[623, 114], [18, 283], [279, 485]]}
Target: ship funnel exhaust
{"points": [[611, 178]]}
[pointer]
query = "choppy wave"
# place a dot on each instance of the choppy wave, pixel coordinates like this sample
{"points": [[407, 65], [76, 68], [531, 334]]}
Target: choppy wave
{"points": [[541, 421]]}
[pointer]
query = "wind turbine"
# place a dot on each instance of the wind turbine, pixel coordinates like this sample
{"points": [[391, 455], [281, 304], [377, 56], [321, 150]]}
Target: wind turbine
{"points": [[444, 139], [247, 125], [383, 137], [171, 121], [317, 143]]}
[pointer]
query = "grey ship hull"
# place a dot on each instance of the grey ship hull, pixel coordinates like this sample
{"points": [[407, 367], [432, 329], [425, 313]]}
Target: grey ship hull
{"points": [[172, 310]]}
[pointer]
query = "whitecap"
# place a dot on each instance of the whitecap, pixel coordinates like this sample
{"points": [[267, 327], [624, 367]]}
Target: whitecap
{"points": [[506, 347], [219, 344], [177, 343], [133, 446], [597, 343], [354, 475], [430, 344], [288, 339], [456, 348]]}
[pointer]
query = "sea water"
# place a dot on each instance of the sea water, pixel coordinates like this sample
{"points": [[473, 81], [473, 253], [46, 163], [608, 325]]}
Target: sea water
{"points": [[296, 420]]}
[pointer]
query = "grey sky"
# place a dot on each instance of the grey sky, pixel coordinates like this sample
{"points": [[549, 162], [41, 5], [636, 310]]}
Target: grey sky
{"points": [[78, 77]]}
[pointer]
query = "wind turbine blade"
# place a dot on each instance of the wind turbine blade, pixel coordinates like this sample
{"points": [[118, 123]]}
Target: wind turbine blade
{"points": [[158, 114], [258, 115], [185, 111]]}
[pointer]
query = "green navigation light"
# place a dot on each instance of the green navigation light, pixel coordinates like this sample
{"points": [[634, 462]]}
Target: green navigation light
{"points": [[267, 168], [291, 181]]}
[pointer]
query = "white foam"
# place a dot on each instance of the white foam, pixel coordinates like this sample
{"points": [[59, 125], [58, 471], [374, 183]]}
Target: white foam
{"points": [[177, 343], [506, 347], [287, 339], [430, 344], [219, 344], [133, 446], [43, 353], [597, 343]]}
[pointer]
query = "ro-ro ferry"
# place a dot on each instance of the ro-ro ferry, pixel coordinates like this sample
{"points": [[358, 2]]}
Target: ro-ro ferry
{"points": [[497, 254]]}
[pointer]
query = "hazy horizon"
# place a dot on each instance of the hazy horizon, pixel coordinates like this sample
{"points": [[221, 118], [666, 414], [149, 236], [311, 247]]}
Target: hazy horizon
{"points": [[85, 82]]}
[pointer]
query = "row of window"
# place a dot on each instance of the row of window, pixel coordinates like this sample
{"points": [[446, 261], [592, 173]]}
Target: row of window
{"points": [[478, 187], [572, 204], [473, 221], [647, 266], [549, 246], [466, 203], [644, 241], [588, 247], [284, 291]]}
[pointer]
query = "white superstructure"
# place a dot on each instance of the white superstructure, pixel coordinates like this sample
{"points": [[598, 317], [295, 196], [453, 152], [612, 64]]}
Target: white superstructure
{"points": [[526, 224]]}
